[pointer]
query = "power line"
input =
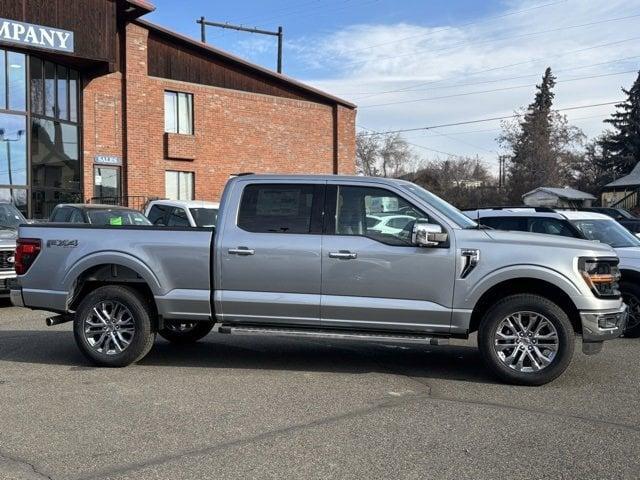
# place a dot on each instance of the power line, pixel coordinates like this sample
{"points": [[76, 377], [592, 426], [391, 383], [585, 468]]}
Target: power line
{"points": [[465, 94], [540, 32], [481, 120], [517, 64], [438, 30], [484, 82]]}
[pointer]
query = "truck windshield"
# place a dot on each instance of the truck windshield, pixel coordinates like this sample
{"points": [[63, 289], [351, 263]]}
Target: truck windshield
{"points": [[205, 217], [440, 205], [10, 216], [607, 231]]}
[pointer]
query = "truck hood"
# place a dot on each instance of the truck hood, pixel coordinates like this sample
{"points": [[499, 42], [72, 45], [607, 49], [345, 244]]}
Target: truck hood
{"points": [[546, 240], [629, 257], [8, 236]]}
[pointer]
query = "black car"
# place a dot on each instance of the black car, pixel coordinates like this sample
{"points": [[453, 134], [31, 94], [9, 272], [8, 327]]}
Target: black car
{"points": [[97, 215]]}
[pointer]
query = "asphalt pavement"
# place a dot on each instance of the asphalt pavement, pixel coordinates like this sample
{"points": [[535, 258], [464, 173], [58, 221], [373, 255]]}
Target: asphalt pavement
{"points": [[252, 407]]}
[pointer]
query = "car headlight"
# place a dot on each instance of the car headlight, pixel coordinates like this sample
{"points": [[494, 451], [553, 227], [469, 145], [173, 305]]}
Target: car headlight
{"points": [[601, 275]]}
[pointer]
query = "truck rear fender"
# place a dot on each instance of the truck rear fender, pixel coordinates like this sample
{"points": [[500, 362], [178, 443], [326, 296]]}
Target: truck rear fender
{"points": [[109, 267]]}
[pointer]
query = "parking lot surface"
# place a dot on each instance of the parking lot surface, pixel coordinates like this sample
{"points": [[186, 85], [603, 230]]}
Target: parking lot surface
{"points": [[242, 407]]}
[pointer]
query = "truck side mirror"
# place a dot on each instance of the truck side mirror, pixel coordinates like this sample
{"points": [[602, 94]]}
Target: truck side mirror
{"points": [[428, 234]]}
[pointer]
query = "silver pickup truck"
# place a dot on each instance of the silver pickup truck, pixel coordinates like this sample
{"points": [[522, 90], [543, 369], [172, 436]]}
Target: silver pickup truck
{"points": [[304, 256]]}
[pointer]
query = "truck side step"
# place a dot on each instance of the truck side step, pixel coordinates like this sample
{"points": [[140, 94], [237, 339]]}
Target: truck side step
{"points": [[331, 334]]}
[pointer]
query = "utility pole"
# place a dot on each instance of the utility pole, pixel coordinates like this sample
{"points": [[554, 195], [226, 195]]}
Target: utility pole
{"points": [[279, 33]]}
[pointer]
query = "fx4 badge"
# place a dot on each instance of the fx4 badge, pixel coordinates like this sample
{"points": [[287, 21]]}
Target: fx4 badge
{"points": [[62, 243]]}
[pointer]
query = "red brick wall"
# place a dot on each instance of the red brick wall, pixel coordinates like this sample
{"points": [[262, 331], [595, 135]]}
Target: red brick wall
{"points": [[233, 131]]}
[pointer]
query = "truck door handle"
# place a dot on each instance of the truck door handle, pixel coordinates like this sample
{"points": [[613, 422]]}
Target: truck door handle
{"points": [[343, 254], [242, 251]]}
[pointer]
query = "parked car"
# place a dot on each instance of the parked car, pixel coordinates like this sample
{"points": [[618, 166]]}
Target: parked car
{"points": [[392, 224], [622, 216], [178, 213], [579, 224], [10, 219], [96, 214], [293, 257]]}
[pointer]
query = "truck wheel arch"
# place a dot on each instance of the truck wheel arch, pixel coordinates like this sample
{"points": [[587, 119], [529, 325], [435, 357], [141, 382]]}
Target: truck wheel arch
{"points": [[525, 285], [102, 270]]}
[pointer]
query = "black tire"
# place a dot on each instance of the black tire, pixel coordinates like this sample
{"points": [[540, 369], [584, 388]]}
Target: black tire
{"points": [[185, 332], [526, 303], [141, 315], [631, 296]]}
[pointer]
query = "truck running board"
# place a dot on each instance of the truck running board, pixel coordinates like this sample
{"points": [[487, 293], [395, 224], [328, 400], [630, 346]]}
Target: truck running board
{"points": [[331, 334]]}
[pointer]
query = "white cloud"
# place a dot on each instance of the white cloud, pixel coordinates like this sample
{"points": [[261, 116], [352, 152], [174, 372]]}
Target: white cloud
{"points": [[444, 56]]}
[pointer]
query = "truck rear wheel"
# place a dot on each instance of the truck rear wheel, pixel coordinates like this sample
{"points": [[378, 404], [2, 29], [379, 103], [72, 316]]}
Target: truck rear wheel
{"points": [[526, 340], [112, 326], [177, 331]]}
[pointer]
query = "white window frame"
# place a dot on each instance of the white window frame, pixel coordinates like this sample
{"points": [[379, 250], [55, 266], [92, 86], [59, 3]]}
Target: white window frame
{"points": [[180, 195], [180, 128]]}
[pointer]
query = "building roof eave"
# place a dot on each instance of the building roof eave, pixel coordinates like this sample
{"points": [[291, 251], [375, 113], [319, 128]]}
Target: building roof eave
{"points": [[244, 63]]}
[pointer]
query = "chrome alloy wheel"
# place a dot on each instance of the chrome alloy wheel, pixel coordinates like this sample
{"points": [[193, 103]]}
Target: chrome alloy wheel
{"points": [[526, 342], [109, 328], [634, 310]]}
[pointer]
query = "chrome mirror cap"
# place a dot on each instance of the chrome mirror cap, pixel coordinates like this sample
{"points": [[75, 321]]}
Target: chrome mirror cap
{"points": [[428, 234]]}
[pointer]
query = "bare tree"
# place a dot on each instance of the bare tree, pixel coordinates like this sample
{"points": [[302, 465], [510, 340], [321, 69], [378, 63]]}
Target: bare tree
{"points": [[383, 155]]}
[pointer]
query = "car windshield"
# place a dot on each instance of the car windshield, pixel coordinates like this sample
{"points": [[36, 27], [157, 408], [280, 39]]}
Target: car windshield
{"points": [[10, 217], [117, 217], [440, 205], [607, 231], [205, 217]]}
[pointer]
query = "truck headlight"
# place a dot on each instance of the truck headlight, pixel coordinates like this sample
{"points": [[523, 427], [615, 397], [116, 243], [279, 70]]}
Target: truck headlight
{"points": [[601, 274]]}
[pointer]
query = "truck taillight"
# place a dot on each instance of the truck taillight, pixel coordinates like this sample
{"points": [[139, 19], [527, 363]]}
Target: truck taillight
{"points": [[27, 249]]}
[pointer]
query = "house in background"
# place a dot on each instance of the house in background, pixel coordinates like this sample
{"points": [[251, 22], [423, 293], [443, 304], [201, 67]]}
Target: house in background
{"points": [[623, 192], [557, 197]]}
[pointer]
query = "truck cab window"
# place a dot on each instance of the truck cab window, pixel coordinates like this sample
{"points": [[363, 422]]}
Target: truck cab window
{"points": [[178, 218], [268, 208], [375, 213]]}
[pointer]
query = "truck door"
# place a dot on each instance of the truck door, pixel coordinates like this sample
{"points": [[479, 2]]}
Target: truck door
{"points": [[270, 254], [373, 277]]}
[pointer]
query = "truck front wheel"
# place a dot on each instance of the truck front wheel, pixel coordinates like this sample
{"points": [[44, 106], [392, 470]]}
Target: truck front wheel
{"points": [[631, 296], [185, 332], [113, 326], [526, 340]]}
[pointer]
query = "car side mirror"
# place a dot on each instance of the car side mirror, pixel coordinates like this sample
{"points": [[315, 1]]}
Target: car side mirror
{"points": [[428, 235]]}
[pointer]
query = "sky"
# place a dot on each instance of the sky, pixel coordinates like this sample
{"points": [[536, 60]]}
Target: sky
{"points": [[410, 64]]}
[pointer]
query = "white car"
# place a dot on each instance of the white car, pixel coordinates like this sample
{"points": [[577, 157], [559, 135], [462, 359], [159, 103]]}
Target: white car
{"points": [[391, 225], [179, 213]]}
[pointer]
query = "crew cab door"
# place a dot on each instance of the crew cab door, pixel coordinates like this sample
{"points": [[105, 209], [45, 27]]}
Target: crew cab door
{"points": [[375, 278], [269, 254]]}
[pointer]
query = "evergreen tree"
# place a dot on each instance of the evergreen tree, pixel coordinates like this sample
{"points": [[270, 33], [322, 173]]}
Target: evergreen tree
{"points": [[541, 145], [621, 145]]}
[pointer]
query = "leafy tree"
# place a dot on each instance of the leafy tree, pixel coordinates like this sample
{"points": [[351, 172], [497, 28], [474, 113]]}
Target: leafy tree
{"points": [[541, 145], [621, 145]]}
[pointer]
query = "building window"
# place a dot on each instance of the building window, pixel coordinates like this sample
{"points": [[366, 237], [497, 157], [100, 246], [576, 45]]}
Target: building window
{"points": [[178, 113], [179, 185]]}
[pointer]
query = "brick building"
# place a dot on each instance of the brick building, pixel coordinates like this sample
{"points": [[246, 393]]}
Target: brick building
{"points": [[96, 103]]}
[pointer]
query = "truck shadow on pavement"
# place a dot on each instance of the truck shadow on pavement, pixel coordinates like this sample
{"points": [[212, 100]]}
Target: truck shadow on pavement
{"points": [[55, 347]]}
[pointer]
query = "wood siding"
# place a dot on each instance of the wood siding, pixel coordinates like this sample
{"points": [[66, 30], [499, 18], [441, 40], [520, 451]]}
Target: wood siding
{"points": [[93, 22], [182, 62]]}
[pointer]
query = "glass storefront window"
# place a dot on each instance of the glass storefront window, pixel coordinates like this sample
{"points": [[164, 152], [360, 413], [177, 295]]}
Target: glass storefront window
{"points": [[49, 89], [62, 98], [44, 201], [13, 149], [73, 95], [16, 196], [17, 81], [54, 155], [3, 79], [36, 73]]}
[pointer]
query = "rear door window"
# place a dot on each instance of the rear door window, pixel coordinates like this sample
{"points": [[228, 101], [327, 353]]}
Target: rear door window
{"points": [[551, 226], [273, 208], [157, 214], [178, 218], [514, 224], [61, 214]]}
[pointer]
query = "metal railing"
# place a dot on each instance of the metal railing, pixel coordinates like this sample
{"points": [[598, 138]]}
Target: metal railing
{"points": [[137, 202], [629, 201]]}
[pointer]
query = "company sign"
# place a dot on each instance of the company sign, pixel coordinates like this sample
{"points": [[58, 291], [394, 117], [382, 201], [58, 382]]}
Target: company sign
{"points": [[107, 160], [21, 33]]}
